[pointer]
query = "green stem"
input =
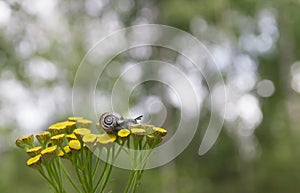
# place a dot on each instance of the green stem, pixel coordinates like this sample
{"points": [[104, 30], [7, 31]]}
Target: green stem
{"points": [[128, 143], [97, 164], [90, 165], [57, 169], [52, 175], [51, 183], [75, 165], [137, 174], [132, 173], [69, 178], [103, 172], [109, 169], [100, 178], [83, 168], [131, 178], [137, 180], [49, 171], [85, 175], [106, 178]]}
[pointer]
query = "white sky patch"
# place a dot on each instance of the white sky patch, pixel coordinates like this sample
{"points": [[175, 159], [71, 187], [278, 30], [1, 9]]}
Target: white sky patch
{"points": [[11, 95], [295, 76], [5, 13], [29, 109], [265, 88], [173, 98], [222, 54], [141, 52], [41, 68], [132, 72], [43, 8], [249, 110], [181, 84], [94, 7], [29, 117], [243, 82]]}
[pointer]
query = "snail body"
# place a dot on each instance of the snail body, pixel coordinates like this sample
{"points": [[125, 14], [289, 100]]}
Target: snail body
{"points": [[113, 122]]}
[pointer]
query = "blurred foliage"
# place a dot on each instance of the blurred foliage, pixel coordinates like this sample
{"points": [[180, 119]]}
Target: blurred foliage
{"points": [[274, 167]]}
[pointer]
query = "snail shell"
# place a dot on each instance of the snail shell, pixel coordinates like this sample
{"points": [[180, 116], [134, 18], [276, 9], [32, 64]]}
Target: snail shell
{"points": [[113, 122]]}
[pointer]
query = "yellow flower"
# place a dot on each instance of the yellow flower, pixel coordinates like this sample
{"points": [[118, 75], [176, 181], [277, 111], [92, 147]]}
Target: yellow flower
{"points": [[149, 128], [71, 136], [89, 138], [138, 131], [35, 161], [57, 128], [84, 123], [61, 153], [150, 139], [74, 119], [58, 139], [75, 145], [153, 140], [43, 137], [123, 133], [62, 127], [34, 151], [106, 138], [49, 153], [25, 141], [70, 126], [80, 132], [160, 131]]}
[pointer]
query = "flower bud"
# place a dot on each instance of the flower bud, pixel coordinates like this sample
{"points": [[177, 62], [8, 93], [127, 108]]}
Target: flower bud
{"points": [[25, 141], [35, 161], [75, 145], [43, 137], [58, 139], [49, 153], [34, 151]]}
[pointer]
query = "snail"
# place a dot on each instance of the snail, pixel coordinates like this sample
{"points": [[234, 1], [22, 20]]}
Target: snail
{"points": [[113, 122]]}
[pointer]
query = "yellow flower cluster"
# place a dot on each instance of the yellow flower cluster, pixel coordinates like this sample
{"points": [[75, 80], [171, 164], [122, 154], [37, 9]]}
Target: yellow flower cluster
{"points": [[73, 140], [65, 138], [60, 140], [147, 136]]}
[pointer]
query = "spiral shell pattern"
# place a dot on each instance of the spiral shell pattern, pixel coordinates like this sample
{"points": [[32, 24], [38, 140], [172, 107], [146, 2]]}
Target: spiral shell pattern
{"points": [[109, 121]]}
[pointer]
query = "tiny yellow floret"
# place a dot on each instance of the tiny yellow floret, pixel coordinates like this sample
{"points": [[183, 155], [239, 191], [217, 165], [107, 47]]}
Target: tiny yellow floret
{"points": [[84, 123], [71, 136], [58, 139], [61, 153], [89, 138], [62, 127], [75, 145], [74, 119], [43, 137], [106, 138], [25, 141], [80, 132], [161, 131], [123, 133], [49, 150], [35, 161], [49, 153], [34, 151], [138, 131]]}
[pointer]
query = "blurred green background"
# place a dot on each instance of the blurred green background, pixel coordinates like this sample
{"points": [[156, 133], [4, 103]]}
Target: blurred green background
{"points": [[256, 45]]}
